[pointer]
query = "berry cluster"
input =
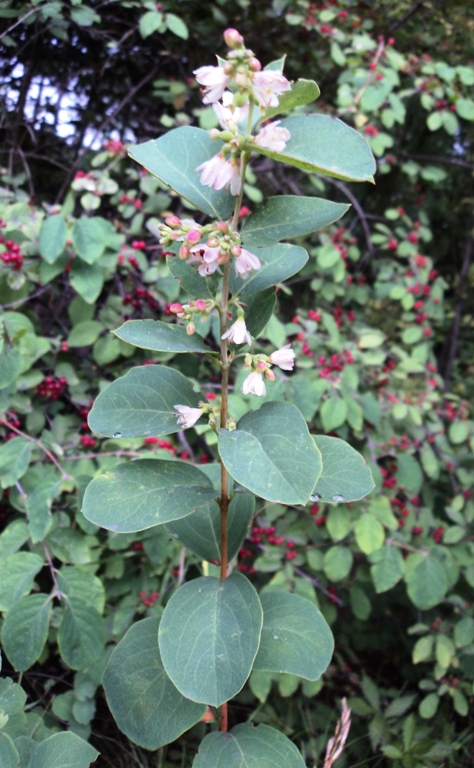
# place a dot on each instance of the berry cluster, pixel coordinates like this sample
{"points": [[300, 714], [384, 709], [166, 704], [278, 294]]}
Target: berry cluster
{"points": [[51, 387], [149, 601], [88, 441], [139, 298], [334, 364], [260, 536], [115, 147], [319, 518], [132, 200], [12, 254]]}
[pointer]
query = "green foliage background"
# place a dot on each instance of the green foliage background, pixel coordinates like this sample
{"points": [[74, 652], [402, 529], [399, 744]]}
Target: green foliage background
{"points": [[381, 321]]}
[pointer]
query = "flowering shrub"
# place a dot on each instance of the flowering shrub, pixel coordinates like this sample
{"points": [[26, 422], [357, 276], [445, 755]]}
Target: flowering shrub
{"points": [[366, 324]]}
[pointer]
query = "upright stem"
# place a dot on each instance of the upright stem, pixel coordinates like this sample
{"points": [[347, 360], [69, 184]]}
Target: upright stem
{"points": [[225, 365]]}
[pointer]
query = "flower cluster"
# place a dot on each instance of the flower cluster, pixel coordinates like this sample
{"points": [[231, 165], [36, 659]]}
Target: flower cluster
{"points": [[260, 366], [255, 86], [207, 247]]}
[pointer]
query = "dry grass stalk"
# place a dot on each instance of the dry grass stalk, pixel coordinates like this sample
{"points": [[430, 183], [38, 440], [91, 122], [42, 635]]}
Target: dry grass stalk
{"points": [[336, 744]]}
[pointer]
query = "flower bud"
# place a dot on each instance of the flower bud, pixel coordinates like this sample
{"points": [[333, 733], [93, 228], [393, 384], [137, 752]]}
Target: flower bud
{"points": [[190, 329], [269, 375], [175, 308], [229, 68], [213, 242], [173, 236], [236, 250], [193, 237], [254, 64], [241, 80], [223, 257], [241, 99], [233, 39], [222, 227], [226, 135], [261, 365], [184, 252], [215, 134], [200, 305], [173, 221]]}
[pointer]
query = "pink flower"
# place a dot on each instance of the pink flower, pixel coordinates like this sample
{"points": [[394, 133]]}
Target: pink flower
{"points": [[220, 173], [238, 333], [254, 385], [206, 258], [229, 118], [245, 263], [268, 85], [272, 137], [284, 358], [214, 80], [188, 416]]}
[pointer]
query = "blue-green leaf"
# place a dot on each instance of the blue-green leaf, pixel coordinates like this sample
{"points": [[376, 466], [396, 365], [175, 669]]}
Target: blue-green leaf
{"points": [[174, 157], [147, 707], [289, 216], [345, 476], [161, 337], [280, 262], [248, 747], [209, 635]]}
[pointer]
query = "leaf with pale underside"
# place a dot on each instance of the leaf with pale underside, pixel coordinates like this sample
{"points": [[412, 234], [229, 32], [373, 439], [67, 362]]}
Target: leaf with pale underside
{"points": [[279, 262], [272, 454], [161, 337], [209, 635], [145, 704], [345, 476], [142, 403], [322, 144], [174, 157], [288, 216], [248, 747], [200, 532], [140, 494], [296, 638]]}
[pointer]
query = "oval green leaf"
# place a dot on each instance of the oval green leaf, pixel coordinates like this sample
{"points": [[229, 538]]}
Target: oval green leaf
{"points": [[190, 279], [142, 403], [17, 573], [248, 747], [25, 630], [52, 238], [302, 92], [146, 706], [345, 476], [296, 638], [289, 216], [81, 635], [272, 454], [209, 635], [174, 157], [427, 584], [322, 144], [161, 337], [140, 494], [279, 262], [200, 532], [63, 750]]}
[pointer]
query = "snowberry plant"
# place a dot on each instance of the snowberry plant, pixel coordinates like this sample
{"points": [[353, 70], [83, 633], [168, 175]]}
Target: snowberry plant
{"points": [[165, 674]]}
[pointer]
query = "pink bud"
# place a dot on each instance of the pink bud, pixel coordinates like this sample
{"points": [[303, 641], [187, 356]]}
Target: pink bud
{"points": [[232, 38], [269, 375], [200, 305], [175, 308], [213, 242], [173, 221], [254, 64], [261, 365], [236, 250], [193, 237], [190, 329], [184, 252], [222, 227], [241, 79]]}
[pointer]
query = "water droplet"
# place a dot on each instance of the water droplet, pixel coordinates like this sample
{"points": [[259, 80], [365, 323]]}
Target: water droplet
{"points": [[338, 497], [315, 497], [199, 590], [275, 637], [117, 435]]}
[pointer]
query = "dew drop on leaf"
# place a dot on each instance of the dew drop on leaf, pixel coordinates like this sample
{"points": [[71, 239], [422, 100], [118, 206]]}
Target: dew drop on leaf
{"points": [[117, 435], [315, 497], [338, 497]]}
